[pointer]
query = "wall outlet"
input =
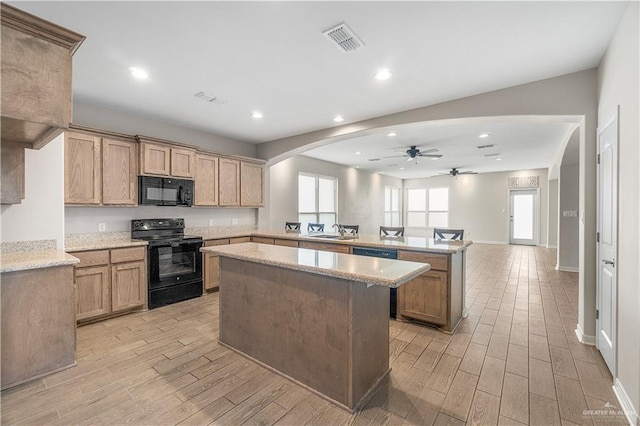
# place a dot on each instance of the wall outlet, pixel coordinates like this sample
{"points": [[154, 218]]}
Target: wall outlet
{"points": [[102, 227], [210, 222], [234, 221]]}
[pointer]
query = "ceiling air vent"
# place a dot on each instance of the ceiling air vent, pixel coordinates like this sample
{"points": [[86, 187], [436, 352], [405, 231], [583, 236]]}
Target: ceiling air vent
{"points": [[486, 146], [491, 155], [374, 159], [209, 98], [343, 38]]}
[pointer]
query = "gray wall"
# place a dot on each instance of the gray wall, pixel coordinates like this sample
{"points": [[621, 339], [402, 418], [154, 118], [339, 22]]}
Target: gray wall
{"points": [[552, 234], [480, 204], [360, 194], [568, 230], [618, 77]]}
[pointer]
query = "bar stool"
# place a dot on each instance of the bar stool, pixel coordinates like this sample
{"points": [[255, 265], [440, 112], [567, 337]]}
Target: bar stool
{"points": [[391, 231], [292, 226], [448, 234], [315, 227], [350, 229]]}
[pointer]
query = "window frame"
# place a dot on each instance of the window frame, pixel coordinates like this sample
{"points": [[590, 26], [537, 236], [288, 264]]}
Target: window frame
{"points": [[427, 208], [391, 212], [318, 213]]}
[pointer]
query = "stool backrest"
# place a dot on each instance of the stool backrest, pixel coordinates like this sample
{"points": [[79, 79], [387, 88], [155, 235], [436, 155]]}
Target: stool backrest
{"points": [[292, 226], [350, 229], [315, 227], [392, 231], [448, 234]]}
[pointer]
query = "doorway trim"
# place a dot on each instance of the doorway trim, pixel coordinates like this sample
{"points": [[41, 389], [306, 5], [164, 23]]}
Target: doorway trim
{"points": [[536, 216]]}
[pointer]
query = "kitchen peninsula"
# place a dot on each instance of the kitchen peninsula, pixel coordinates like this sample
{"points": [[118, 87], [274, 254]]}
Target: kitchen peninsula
{"points": [[316, 317]]}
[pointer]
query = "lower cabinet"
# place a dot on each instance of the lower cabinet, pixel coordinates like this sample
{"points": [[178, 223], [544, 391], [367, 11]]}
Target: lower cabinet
{"points": [[211, 261], [426, 297], [336, 248], [110, 281]]}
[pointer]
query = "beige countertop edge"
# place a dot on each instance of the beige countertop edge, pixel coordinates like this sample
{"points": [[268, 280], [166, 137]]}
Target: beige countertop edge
{"points": [[24, 261], [102, 245], [420, 268]]}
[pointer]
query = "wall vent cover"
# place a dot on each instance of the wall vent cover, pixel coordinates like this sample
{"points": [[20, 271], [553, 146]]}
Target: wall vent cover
{"points": [[210, 98], [486, 146], [345, 39]]}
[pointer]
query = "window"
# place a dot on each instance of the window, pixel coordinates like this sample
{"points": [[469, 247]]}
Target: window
{"points": [[391, 206], [428, 207], [317, 200]]}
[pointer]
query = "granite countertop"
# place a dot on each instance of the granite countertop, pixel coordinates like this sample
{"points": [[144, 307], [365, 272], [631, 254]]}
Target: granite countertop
{"points": [[99, 241], [370, 270], [220, 232], [374, 241], [34, 259]]}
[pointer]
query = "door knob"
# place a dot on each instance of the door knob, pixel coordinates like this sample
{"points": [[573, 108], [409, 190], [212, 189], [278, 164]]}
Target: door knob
{"points": [[609, 262]]}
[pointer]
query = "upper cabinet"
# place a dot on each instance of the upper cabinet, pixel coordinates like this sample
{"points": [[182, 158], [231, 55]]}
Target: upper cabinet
{"points": [[206, 180], [161, 159], [100, 170], [251, 184], [36, 59], [229, 184]]}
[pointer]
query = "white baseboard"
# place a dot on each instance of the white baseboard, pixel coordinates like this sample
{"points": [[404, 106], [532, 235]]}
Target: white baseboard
{"points": [[490, 242], [551, 246], [583, 338], [567, 268], [625, 403]]}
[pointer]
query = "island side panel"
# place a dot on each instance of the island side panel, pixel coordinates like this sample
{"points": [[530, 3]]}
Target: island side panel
{"points": [[38, 323], [370, 335], [457, 289], [296, 322]]}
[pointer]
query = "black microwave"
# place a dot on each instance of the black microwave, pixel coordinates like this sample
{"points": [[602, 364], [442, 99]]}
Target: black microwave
{"points": [[158, 191]]}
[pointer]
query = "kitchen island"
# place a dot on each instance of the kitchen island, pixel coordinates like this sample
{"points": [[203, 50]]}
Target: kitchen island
{"points": [[315, 317]]}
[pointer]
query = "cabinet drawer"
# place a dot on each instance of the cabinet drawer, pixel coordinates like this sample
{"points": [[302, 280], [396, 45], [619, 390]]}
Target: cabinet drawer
{"points": [[439, 262], [287, 243], [239, 240], [337, 248], [262, 240], [221, 242], [127, 254], [92, 258]]}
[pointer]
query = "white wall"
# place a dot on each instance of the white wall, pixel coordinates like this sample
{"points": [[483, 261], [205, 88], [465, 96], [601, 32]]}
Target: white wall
{"points": [[116, 121], [618, 77], [360, 194], [80, 220], [40, 216], [552, 234], [480, 204], [568, 229]]}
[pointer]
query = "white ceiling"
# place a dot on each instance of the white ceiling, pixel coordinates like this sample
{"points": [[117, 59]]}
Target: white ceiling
{"points": [[272, 57]]}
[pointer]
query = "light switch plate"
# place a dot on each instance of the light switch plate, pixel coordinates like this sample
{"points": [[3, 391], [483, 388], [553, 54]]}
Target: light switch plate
{"points": [[210, 222]]}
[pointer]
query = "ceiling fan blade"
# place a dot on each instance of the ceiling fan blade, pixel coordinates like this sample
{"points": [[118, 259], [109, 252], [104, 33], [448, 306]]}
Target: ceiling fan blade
{"points": [[412, 158], [467, 173], [395, 156], [430, 155], [429, 150]]}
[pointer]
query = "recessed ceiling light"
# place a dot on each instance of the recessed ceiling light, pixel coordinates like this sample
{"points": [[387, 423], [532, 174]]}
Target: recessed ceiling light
{"points": [[338, 118], [358, 153], [484, 135], [138, 73], [401, 168], [392, 134], [498, 159], [383, 74], [434, 158], [256, 114]]}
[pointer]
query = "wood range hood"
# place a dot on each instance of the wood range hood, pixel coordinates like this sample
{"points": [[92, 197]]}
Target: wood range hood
{"points": [[36, 87]]}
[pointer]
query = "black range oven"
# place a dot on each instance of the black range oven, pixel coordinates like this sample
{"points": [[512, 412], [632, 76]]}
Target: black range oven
{"points": [[175, 263]]}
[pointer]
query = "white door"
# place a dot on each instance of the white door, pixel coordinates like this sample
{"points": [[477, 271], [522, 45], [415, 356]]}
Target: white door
{"points": [[607, 241], [524, 223]]}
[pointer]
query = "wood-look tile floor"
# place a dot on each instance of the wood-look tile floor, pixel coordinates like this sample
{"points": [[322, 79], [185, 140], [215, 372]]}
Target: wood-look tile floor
{"points": [[514, 360]]}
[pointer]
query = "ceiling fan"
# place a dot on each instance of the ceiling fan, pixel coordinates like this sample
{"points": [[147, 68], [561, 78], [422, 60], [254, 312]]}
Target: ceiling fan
{"points": [[455, 172], [414, 152]]}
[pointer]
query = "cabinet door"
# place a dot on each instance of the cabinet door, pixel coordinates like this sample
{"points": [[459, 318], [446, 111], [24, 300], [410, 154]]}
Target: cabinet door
{"points": [[92, 291], [119, 172], [183, 162], [262, 240], [425, 298], [211, 271], [251, 184], [155, 159], [206, 180], [336, 248], [12, 169], [82, 169], [229, 184], [239, 240], [128, 285]]}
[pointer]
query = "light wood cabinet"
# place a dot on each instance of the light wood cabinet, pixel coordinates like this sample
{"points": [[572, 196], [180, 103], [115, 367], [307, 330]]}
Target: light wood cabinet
{"points": [[211, 261], [251, 184], [119, 172], [206, 180], [100, 170], [109, 282], [286, 243], [183, 162], [82, 169], [229, 184], [262, 240], [336, 248], [155, 159], [12, 169], [239, 240]]}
